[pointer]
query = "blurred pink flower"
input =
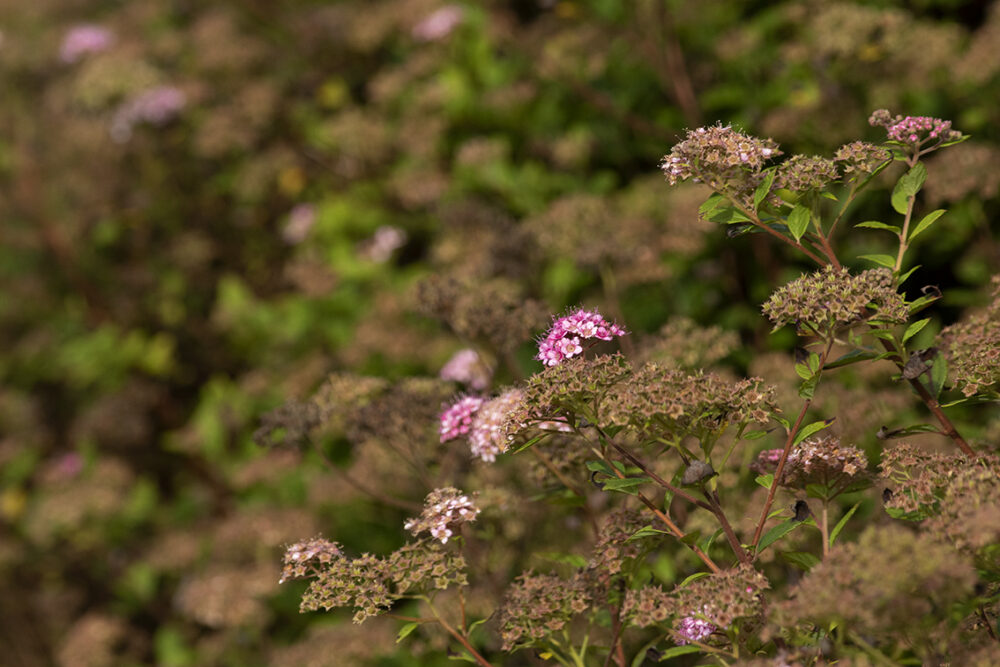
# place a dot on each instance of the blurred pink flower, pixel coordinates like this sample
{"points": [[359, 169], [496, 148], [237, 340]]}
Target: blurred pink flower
{"points": [[466, 367], [298, 223], [82, 40], [439, 24], [155, 106]]}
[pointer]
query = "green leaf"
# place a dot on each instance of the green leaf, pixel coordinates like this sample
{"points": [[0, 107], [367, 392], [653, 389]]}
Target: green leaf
{"points": [[798, 221], [887, 261], [600, 466], [919, 304], [765, 480], [679, 650], [692, 537], [808, 387], [926, 222], [852, 357], [903, 277], [710, 205], [573, 560], [754, 435], [776, 533], [939, 375], [916, 428], [693, 577], [801, 559], [803, 371], [765, 187], [964, 137], [531, 442], [914, 329], [843, 522], [727, 215], [812, 428], [646, 531], [908, 186], [875, 224], [405, 631], [627, 485]]}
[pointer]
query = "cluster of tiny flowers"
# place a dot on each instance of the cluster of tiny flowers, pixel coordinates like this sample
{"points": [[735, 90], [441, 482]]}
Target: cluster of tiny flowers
{"points": [[824, 461], [802, 173], [860, 158], [563, 340], [444, 509], [693, 629], [83, 40], [913, 129], [486, 436], [767, 461], [833, 298], [972, 347], [456, 421], [466, 367], [302, 558], [714, 154], [155, 106], [539, 605]]}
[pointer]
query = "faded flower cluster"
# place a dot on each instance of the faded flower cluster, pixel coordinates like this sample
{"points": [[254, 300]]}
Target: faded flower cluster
{"points": [[824, 462], [715, 155], [564, 339], [803, 173], [539, 605], [821, 302], [486, 437], [859, 158], [83, 40], [444, 510], [304, 559], [972, 347]]}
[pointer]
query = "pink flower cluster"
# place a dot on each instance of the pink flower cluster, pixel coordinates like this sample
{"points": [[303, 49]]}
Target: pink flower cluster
{"points": [[693, 629], [563, 340], [466, 367], [155, 106], [441, 516], [439, 25], [83, 40], [486, 438], [913, 129], [457, 419]]}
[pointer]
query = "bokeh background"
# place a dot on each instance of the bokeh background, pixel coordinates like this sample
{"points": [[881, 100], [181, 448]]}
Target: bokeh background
{"points": [[209, 207]]}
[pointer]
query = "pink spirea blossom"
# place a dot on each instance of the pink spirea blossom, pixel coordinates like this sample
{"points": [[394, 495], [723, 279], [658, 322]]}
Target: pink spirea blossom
{"points": [[83, 40], [486, 437], [563, 340], [300, 220], [693, 629], [913, 129], [439, 24], [457, 419], [440, 517], [466, 367], [155, 106]]}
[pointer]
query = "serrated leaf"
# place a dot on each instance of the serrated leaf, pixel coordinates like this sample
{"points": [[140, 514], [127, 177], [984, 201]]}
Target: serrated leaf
{"points": [[875, 224], [798, 221], [939, 375], [887, 261], [765, 480], [914, 329], [764, 188], [405, 631], [926, 222], [810, 429], [843, 522], [776, 533], [801, 559]]}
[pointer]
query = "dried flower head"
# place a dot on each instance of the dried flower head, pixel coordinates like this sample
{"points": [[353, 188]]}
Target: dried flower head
{"points": [[802, 173], [918, 131], [972, 347], [456, 421], [666, 400], [826, 466], [889, 582], [717, 155], [682, 343], [444, 511], [371, 584], [613, 546], [565, 337], [537, 605], [821, 302], [969, 514], [486, 436], [858, 159], [466, 367]]}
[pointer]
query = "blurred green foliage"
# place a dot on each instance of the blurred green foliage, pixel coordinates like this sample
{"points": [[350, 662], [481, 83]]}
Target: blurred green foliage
{"points": [[161, 290]]}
